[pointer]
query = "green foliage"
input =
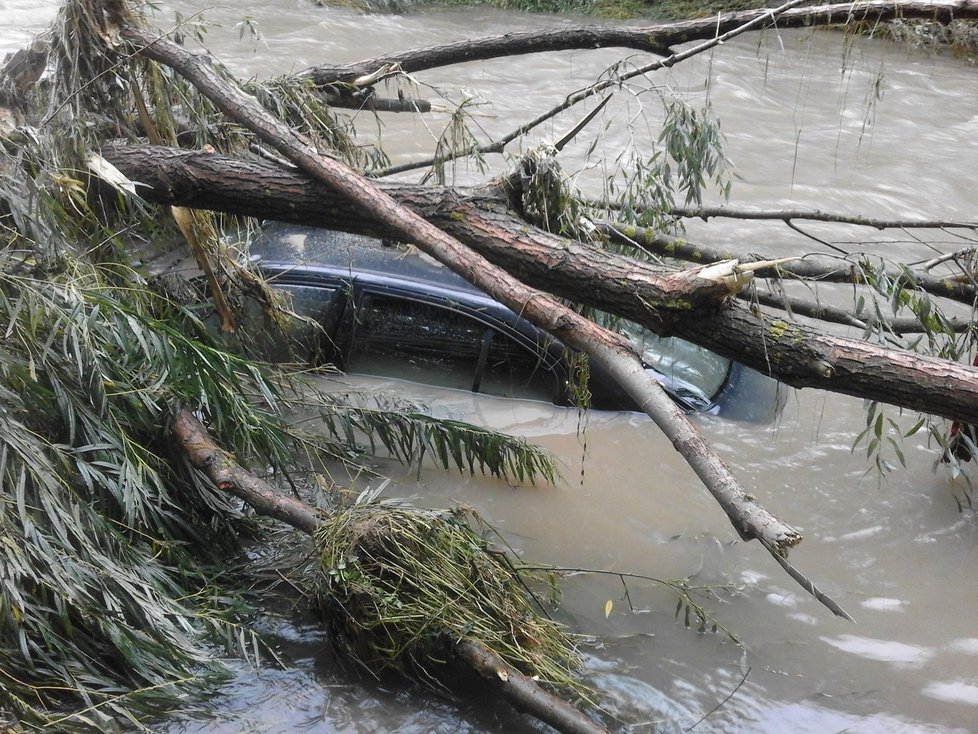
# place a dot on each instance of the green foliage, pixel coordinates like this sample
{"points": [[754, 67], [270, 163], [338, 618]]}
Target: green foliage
{"points": [[108, 537], [457, 141], [882, 437], [110, 547], [895, 292], [385, 573], [547, 198], [409, 434], [687, 159], [694, 151]]}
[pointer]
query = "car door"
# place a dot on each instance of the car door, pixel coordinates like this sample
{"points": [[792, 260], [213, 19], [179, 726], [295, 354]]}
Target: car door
{"points": [[445, 341]]}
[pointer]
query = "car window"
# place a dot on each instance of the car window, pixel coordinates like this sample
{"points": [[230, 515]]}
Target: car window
{"points": [[305, 339], [439, 345], [512, 370]]}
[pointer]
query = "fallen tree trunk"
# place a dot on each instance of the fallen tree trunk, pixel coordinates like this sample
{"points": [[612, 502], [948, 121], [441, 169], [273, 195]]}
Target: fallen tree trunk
{"points": [[253, 187], [227, 475], [794, 353], [656, 39]]}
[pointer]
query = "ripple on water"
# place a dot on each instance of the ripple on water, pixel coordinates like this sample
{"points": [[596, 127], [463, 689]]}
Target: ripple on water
{"points": [[884, 604], [885, 651], [953, 692]]}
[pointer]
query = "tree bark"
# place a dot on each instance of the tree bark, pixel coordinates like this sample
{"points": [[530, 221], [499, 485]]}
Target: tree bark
{"points": [[656, 39], [228, 476], [794, 353]]}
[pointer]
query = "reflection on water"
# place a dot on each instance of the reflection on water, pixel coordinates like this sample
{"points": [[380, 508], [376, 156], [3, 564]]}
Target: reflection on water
{"points": [[802, 129]]}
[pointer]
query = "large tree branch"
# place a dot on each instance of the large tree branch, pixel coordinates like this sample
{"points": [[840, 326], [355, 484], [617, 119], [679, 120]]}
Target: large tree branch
{"points": [[794, 353], [655, 39], [228, 184]]}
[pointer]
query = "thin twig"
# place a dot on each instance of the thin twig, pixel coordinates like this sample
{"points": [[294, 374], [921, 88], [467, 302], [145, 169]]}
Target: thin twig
{"points": [[819, 240], [816, 215], [713, 710], [807, 584], [583, 94]]}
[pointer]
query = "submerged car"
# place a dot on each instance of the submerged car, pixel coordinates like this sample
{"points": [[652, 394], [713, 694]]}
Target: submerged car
{"points": [[390, 311]]}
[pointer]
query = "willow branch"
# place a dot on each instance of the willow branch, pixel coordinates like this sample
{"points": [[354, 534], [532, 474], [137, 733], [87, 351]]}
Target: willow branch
{"points": [[815, 215], [227, 475]]}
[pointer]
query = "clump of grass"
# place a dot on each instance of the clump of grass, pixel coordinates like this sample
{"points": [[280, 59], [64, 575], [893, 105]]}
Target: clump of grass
{"points": [[959, 37], [402, 585]]}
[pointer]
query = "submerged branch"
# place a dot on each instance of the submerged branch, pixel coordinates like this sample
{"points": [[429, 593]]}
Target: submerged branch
{"points": [[523, 692], [219, 466]]}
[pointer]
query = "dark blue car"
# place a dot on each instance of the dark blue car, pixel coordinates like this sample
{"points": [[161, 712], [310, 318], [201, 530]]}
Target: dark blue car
{"points": [[391, 311]]}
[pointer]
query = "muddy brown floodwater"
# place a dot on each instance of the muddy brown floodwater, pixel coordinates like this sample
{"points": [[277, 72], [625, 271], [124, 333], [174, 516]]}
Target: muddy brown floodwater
{"points": [[811, 119]]}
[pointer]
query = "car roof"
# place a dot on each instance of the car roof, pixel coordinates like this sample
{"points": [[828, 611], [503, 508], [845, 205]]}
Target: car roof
{"points": [[287, 247]]}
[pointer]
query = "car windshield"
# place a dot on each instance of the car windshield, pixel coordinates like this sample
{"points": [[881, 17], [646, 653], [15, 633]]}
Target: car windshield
{"points": [[688, 369]]}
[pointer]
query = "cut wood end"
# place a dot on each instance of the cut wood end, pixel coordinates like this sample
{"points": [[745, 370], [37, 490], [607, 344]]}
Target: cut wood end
{"points": [[733, 276], [368, 80], [762, 264], [787, 541], [726, 273]]}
